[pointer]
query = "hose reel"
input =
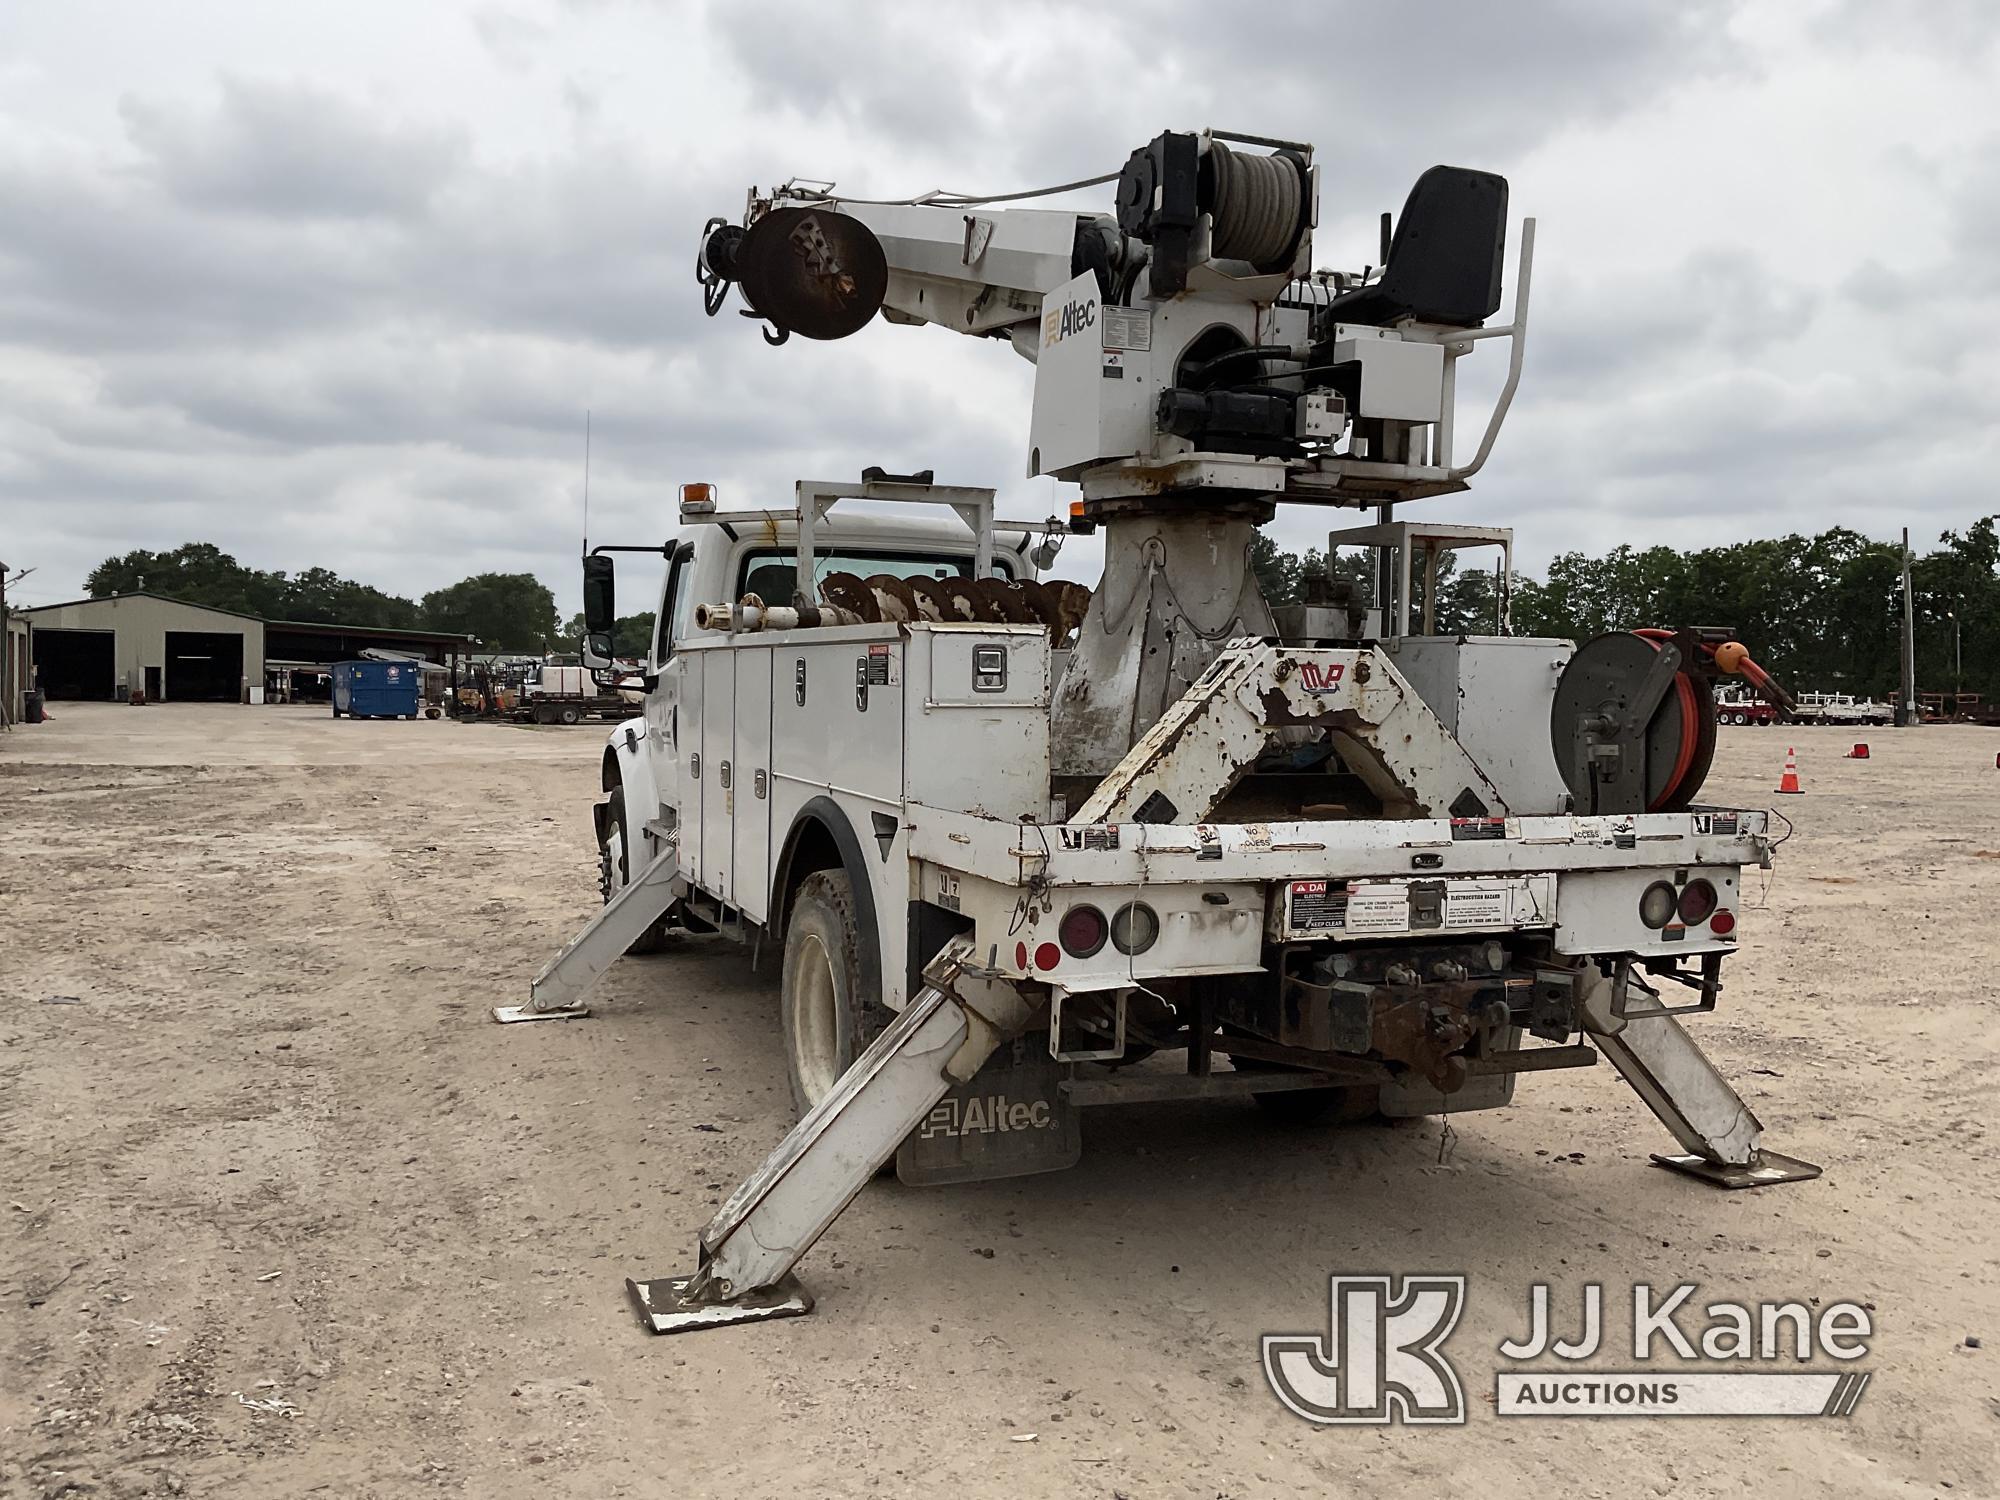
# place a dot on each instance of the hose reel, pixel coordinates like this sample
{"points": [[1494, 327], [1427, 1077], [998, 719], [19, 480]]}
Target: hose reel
{"points": [[1633, 723]]}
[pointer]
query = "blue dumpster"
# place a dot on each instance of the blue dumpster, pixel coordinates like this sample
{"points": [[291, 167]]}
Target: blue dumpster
{"points": [[377, 689]]}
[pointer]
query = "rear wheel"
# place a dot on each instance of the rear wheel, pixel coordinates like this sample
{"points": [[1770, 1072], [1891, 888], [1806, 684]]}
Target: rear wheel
{"points": [[571, 714], [614, 867], [828, 1015]]}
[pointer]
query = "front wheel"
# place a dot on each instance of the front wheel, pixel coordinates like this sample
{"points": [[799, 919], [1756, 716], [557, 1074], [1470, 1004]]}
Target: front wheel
{"points": [[828, 1015], [614, 867]]}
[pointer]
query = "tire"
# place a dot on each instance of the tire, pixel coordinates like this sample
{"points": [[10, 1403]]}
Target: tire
{"points": [[570, 714], [828, 1016], [614, 870], [543, 714]]}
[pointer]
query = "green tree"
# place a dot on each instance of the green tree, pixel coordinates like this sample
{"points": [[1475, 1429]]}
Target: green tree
{"points": [[319, 594], [195, 572], [506, 611]]}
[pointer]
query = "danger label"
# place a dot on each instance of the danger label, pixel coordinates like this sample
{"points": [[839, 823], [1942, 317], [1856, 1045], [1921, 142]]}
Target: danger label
{"points": [[1315, 908]]}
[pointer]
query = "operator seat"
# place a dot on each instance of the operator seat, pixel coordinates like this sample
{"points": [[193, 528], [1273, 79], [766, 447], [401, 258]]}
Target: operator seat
{"points": [[1444, 259]]}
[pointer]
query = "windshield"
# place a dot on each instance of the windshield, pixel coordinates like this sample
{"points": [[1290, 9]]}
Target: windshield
{"points": [[772, 573]]}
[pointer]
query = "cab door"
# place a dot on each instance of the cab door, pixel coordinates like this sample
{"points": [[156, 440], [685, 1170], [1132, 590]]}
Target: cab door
{"points": [[664, 703]]}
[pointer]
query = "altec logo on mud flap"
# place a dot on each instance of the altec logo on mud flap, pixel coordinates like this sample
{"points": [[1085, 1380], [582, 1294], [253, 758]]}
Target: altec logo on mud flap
{"points": [[1058, 323], [980, 1116]]}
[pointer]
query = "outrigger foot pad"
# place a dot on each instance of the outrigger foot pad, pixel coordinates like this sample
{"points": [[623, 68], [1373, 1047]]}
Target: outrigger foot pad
{"points": [[664, 1308], [507, 1015], [1765, 1169]]}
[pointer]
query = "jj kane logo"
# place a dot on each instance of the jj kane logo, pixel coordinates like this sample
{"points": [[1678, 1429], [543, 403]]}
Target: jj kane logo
{"points": [[1381, 1361], [1382, 1358]]}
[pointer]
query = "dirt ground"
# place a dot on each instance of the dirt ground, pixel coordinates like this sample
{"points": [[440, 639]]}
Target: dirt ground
{"points": [[273, 1154]]}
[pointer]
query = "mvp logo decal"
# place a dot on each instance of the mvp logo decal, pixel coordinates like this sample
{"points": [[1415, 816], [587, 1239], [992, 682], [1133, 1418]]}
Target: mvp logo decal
{"points": [[1317, 677]]}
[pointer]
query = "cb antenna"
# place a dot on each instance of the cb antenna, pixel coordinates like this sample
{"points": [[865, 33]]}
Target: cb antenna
{"points": [[586, 480]]}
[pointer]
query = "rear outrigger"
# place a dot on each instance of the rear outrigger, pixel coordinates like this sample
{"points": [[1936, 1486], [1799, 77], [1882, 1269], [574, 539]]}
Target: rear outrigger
{"points": [[1029, 848]]}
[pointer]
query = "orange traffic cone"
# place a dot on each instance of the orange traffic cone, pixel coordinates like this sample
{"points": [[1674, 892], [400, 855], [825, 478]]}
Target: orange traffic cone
{"points": [[1789, 782], [1859, 752]]}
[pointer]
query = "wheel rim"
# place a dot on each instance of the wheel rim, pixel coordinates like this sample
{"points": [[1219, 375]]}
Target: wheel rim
{"points": [[815, 1019]]}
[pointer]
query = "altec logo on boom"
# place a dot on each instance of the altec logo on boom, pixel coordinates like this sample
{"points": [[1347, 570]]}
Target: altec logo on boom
{"points": [[1058, 323]]}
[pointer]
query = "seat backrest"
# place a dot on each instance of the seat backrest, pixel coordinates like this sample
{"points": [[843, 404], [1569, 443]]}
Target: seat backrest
{"points": [[1445, 257], [773, 582]]}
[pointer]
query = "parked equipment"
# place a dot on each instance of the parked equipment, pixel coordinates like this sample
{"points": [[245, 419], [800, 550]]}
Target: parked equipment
{"points": [[1009, 839]]}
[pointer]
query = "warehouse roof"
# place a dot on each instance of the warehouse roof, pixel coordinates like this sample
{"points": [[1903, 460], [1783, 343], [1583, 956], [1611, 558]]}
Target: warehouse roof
{"points": [[35, 609]]}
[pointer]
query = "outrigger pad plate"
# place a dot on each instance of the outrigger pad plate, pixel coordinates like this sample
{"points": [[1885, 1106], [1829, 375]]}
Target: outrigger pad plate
{"points": [[1769, 1169], [663, 1307], [507, 1015]]}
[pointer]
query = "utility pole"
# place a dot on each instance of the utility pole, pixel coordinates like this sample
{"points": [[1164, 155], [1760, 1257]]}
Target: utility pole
{"points": [[1957, 662], [1906, 711]]}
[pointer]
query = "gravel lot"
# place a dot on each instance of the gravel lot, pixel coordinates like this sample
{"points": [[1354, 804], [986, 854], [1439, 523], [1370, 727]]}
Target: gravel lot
{"points": [[272, 1152]]}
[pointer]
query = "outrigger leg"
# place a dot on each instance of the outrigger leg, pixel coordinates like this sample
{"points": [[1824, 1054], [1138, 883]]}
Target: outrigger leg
{"points": [[1723, 1139], [557, 992], [747, 1252]]}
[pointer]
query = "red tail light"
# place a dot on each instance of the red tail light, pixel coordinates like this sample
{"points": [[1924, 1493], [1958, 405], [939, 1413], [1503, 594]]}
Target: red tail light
{"points": [[1083, 931], [1722, 923], [1697, 902]]}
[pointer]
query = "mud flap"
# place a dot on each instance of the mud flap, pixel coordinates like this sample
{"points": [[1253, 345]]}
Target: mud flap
{"points": [[1011, 1120]]}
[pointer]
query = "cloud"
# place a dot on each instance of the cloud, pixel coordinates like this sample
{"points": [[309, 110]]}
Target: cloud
{"points": [[340, 295]]}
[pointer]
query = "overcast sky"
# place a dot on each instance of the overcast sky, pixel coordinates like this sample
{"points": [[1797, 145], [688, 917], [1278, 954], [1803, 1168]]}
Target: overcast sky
{"points": [[333, 283]]}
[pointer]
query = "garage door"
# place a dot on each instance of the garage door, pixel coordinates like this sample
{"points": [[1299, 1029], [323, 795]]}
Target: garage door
{"points": [[204, 667], [76, 664]]}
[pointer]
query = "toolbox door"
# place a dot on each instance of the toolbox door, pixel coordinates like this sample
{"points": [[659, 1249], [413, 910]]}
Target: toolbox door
{"points": [[718, 776], [751, 776]]}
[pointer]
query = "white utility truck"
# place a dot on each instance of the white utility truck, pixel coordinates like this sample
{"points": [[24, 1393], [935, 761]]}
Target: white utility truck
{"points": [[1026, 847]]}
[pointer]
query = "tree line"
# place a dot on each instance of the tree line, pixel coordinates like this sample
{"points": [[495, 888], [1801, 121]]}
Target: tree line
{"points": [[1821, 613], [505, 611]]}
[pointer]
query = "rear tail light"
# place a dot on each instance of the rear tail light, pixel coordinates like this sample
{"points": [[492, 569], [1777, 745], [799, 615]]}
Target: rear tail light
{"points": [[1082, 931], [1135, 929], [1698, 902], [1722, 923], [1656, 905]]}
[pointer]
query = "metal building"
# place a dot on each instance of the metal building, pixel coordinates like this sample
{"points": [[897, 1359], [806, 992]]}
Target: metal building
{"points": [[173, 652], [13, 668]]}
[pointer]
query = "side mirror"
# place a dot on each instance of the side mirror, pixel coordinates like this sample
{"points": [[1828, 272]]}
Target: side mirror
{"points": [[600, 609]]}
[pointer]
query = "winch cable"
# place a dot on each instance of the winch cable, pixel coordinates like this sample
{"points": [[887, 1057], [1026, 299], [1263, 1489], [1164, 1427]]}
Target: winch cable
{"points": [[1257, 206]]}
